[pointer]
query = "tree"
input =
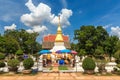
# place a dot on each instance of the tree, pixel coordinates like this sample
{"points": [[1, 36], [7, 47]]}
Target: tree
{"points": [[117, 56], [2, 56], [99, 51], [82, 52], [2, 44], [110, 45], [90, 37], [26, 41], [11, 45], [19, 52], [118, 45], [117, 53], [74, 46]]}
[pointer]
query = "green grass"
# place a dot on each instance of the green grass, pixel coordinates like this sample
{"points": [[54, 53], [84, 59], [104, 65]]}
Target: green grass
{"points": [[62, 68], [51, 68]]}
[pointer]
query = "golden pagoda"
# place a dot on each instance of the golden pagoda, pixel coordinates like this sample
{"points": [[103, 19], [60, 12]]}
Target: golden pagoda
{"points": [[59, 37], [59, 41], [56, 41]]}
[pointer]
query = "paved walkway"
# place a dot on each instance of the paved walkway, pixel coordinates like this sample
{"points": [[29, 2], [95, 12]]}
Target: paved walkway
{"points": [[59, 76], [55, 69]]}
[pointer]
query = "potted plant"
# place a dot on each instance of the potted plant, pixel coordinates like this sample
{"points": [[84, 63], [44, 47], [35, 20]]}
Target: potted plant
{"points": [[88, 65], [28, 63], [13, 63]]}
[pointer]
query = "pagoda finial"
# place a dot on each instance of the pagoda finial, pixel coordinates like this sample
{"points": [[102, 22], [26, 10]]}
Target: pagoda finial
{"points": [[59, 32], [58, 20]]}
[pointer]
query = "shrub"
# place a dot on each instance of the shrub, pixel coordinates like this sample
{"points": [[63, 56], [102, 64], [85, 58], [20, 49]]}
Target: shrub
{"points": [[28, 63], [13, 63], [88, 64], [19, 52], [2, 56], [2, 64]]}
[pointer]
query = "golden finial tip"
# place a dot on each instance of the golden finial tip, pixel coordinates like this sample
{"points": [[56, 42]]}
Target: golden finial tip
{"points": [[59, 17]]}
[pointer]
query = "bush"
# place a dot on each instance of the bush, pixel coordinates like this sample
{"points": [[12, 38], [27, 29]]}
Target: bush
{"points": [[13, 63], [88, 64], [2, 64], [19, 52], [28, 63], [2, 56]]}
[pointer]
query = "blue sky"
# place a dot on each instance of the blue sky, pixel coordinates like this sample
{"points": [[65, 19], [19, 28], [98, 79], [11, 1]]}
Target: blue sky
{"points": [[81, 12]]}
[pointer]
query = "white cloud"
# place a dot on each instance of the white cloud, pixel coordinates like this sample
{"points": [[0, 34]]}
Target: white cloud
{"points": [[64, 16], [38, 15], [12, 27], [37, 29], [115, 31], [41, 14], [30, 31]]}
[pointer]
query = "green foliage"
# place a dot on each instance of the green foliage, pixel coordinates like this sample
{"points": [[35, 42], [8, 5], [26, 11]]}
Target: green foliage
{"points": [[89, 37], [20, 39], [2, 64], [28, 63], [13, 63], [95, 41], [118, 65], [82, 52], [11, 45], [19, 52], [2, 56], [2, 44], [117, 56], [99, 51], [110, 45], [118, 45], [88, 64]]}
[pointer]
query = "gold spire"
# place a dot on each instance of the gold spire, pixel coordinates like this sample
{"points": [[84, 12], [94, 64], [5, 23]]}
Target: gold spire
{"points": [[59, 37]]}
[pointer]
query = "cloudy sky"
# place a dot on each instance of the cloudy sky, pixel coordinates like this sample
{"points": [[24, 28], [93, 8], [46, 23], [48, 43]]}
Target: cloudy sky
{"points": [[42, 15]]}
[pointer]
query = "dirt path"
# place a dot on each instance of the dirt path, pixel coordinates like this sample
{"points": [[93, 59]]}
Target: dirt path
{"points": [[59, 76]]}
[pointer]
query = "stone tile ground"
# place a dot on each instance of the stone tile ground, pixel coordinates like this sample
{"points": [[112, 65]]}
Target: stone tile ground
{"points": [[59, 76]]}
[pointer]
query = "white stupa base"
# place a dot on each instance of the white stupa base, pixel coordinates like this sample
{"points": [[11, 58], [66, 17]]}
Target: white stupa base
{"points": [[58, 46]]}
